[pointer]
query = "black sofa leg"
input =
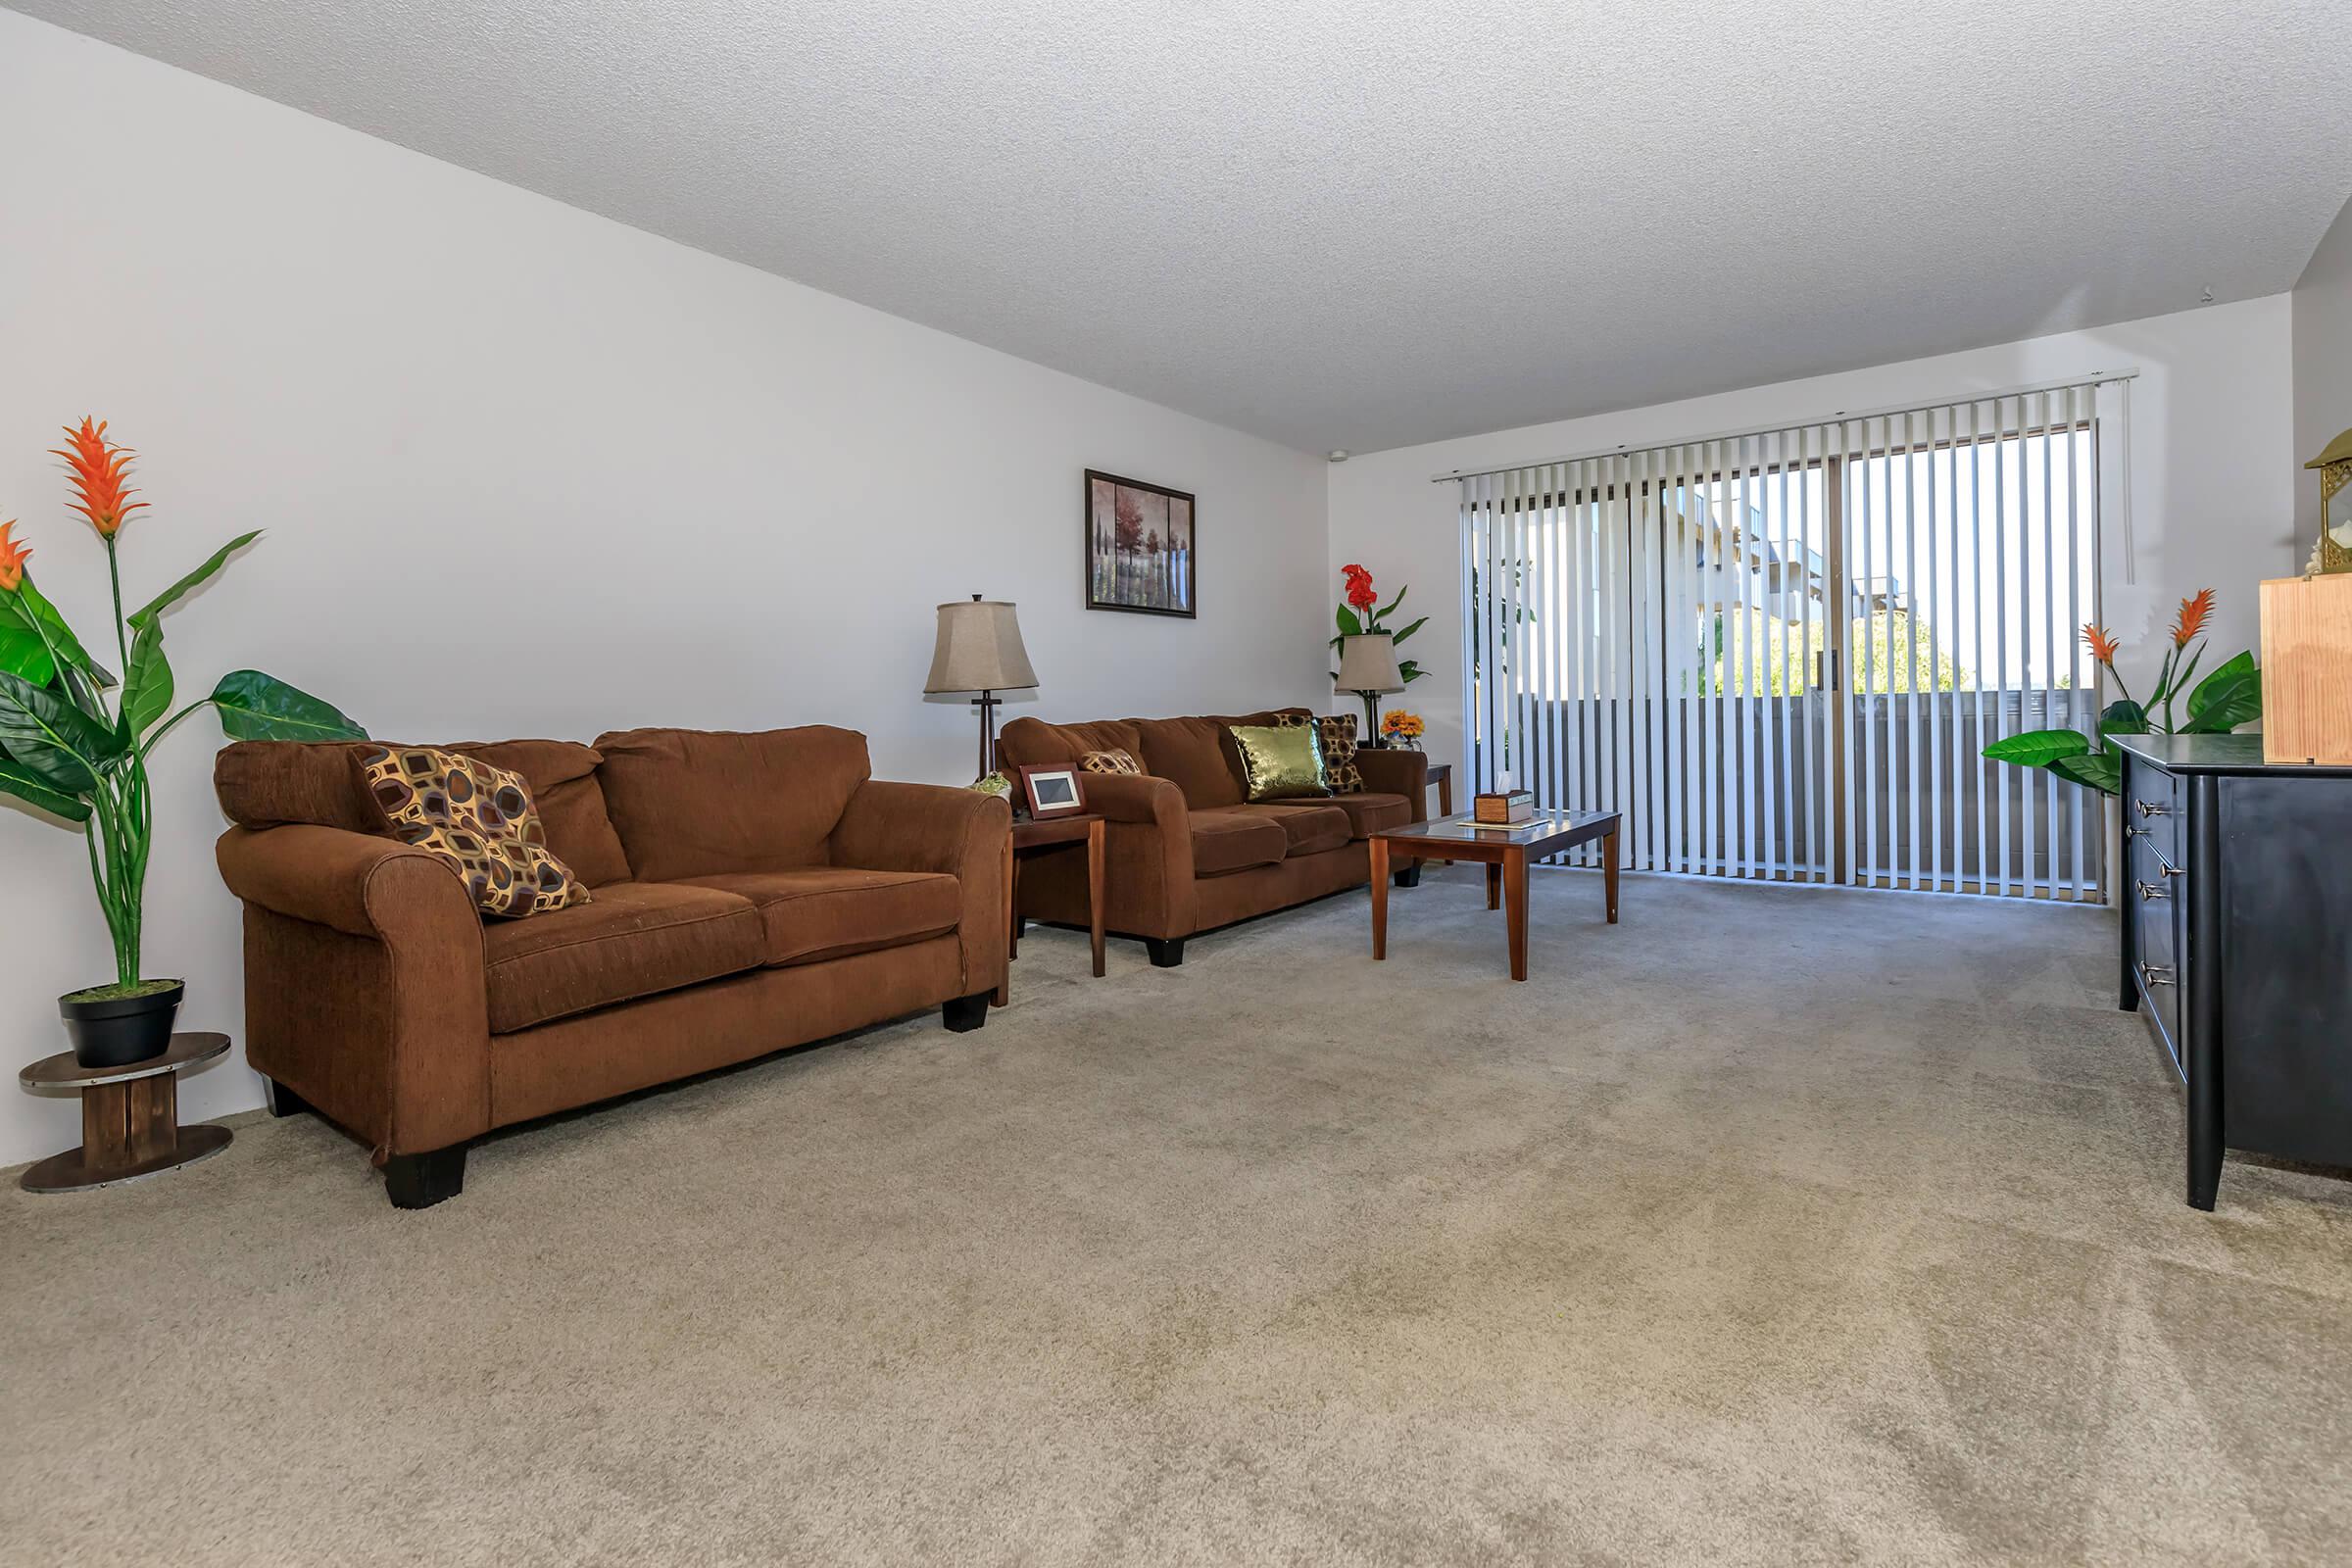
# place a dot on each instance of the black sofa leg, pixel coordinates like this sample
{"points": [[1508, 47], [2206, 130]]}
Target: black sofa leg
{"points": [[419, 1181], [963, 1014], [1166, 951], [1409, 877], [283, 1102]]}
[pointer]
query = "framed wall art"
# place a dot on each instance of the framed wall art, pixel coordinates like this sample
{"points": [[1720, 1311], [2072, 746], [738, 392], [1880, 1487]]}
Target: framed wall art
{"points": [[1141, 547]]}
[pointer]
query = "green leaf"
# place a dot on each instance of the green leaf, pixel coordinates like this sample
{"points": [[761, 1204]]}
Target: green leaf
{"points": [[35, 639], [147, 695], [255, 707], [2228, 697], [2101, 770], [2123, 717], [52, 737], [2039, 748], [142, 616], [1409, 671], [1350, 626], [1390, 606], [29, 787], [1414, 627]]}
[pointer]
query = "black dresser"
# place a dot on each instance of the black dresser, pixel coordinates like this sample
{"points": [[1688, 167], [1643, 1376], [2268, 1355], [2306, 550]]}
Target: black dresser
{"points": [[2237, 939]]}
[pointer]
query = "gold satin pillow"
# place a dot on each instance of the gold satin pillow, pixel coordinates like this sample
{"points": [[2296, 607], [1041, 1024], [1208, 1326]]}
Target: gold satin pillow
{"points": [[1280, 762]]}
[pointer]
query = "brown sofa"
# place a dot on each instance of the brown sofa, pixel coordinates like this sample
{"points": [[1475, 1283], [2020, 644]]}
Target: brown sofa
{"points": [[1186, 851], [749, 892]]}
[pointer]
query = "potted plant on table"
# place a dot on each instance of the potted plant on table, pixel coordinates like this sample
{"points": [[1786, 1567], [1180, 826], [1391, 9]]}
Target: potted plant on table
{"points": [[2228, 696], [75, 739], [1364, 616]]}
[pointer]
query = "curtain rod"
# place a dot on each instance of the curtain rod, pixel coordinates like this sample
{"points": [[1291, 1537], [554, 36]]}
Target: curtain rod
{"points": [[2094, 379]]}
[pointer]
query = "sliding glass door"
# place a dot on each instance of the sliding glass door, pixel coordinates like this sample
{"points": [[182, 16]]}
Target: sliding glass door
{"points": [[1780, 654]]}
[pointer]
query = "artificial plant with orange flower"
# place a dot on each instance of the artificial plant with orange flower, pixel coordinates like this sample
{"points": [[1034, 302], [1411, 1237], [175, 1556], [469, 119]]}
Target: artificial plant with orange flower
{"points": [[2226, 699], [1364, 614], [75, 737]]}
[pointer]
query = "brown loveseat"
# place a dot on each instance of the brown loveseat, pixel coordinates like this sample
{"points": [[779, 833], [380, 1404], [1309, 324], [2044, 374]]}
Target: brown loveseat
{"points": [[748, 893], [1184, 850]]}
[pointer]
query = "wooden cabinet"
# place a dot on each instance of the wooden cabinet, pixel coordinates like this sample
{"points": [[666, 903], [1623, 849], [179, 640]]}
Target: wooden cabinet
{"points": [[2237, 943]]}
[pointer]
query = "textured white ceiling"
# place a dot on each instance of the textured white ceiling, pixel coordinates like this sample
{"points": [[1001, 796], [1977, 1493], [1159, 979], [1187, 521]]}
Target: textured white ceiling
{"points": [[1382, 221]]}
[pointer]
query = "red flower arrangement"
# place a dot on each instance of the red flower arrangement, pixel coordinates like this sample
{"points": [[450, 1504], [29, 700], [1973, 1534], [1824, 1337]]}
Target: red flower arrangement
{"points": [[1360, 587]]}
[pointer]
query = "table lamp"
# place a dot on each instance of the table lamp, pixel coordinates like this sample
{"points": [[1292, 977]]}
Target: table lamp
{"points": [[1368, 669], [979, 650]]}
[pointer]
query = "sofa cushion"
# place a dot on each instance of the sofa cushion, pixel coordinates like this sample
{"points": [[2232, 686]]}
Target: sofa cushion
{"points": [[636, 939], [1032, 742], [1368, 815], [1338, 732], [1117, 761], [271, 783], [1196, 754], [1234, 840], [561, 775], [1306, 829], [478, 820], [699, 802], [830, 911]]}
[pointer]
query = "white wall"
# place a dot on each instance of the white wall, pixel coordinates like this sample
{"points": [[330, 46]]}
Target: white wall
{"points": [[2323, 336], [527, 472], [2211, 482]]}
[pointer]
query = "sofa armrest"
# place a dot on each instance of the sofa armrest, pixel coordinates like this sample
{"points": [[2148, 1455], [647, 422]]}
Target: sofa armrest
{"points": [[365, 987], [1148, 852], [1396, 771], [931, 827]]}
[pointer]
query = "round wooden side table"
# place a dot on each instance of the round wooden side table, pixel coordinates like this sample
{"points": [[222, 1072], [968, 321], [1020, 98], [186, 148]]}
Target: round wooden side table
{"points": [[129, 1116]]}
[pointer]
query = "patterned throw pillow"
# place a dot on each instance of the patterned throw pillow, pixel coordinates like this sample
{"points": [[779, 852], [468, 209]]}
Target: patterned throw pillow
{"points": [[1338, 749], [1114, 760], [478, 818]]}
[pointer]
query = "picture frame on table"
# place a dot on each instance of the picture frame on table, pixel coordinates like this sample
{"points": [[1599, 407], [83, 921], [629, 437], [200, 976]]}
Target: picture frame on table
{"points": [[1053, 789]]}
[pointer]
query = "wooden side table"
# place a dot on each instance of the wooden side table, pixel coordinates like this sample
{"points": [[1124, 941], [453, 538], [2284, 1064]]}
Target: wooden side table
{"points": [[1032, 833], [1442, 776], [129, 1116]]}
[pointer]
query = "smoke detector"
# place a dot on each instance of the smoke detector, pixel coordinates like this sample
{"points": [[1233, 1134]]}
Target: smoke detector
{"points": [[1338, 454]]}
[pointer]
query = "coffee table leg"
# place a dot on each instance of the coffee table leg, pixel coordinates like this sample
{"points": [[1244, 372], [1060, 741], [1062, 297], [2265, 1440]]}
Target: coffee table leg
{"points": [[1494, 886], [1380, 898], [1094, 890], [1514, 898], [1608, 875]]}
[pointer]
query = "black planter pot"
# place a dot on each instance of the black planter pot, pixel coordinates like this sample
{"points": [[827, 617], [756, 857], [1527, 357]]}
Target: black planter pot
{"points": [[119, 1031]]}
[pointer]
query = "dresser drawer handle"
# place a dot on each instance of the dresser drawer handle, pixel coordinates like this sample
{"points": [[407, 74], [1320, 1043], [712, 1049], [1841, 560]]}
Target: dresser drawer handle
{"points": [[2149, 891], [2131, 832], [2151, 808], [2164, 865], [2156, 974]]}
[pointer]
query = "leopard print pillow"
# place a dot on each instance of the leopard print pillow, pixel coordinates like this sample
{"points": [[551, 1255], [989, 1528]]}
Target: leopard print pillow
{"points": [[1114, 760], [1338, 749], [478, 818]]}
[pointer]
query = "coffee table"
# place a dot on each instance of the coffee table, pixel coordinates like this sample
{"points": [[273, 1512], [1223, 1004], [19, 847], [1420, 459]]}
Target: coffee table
{"points": [[1505, 852]]}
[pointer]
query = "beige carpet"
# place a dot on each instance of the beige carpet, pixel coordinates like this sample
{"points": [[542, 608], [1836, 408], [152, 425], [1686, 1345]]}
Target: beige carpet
{"points": [[1769, 1227]]}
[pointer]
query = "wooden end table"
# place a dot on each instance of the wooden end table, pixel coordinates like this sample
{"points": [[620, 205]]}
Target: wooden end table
{"points": [[1505, 854], [129, 1116], [1040, 833]]}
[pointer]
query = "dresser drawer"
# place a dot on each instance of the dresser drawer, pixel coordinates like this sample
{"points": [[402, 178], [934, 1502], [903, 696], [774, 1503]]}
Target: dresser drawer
{"points": [[2154, 812], [2153, 906], [2155, 895]]}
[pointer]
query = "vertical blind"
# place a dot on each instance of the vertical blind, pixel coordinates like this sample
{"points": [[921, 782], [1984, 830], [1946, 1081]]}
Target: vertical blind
{"points": [[1780, 653]]}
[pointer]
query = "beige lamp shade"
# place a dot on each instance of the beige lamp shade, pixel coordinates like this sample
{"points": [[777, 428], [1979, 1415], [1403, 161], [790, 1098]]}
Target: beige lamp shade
{"points": [[1368, 663], [979, 649]]}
